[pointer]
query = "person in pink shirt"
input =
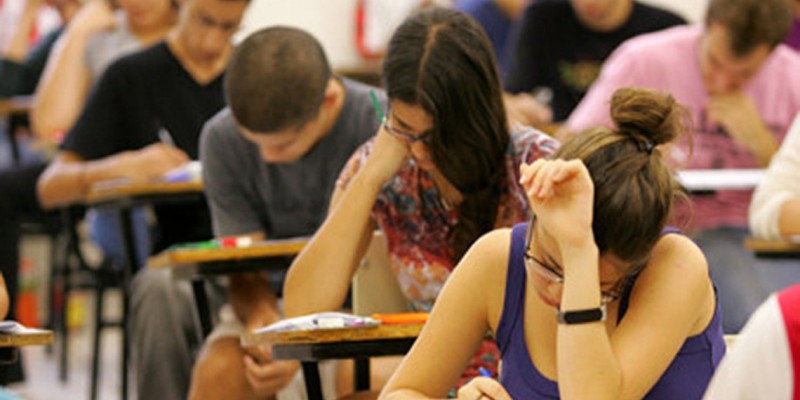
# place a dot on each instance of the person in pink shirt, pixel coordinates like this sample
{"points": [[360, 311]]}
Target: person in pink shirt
{"points": [[741, 87]]}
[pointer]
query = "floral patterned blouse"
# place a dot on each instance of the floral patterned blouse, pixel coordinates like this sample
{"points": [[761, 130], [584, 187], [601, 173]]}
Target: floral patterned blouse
{"points": [[416, 222]]}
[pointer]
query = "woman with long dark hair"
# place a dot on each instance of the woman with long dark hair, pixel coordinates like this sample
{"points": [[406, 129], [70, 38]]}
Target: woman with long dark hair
{"points": [[442, 170]]}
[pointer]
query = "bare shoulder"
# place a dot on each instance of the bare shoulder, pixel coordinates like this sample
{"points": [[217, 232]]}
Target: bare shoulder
{"points": [[484, 269]]}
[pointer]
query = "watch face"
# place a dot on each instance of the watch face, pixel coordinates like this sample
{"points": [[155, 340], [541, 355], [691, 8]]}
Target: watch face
{"points": [[582, 316]]}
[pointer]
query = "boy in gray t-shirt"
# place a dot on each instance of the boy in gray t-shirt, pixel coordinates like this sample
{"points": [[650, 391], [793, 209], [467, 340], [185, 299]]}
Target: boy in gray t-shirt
{"points": [[270, 162]]}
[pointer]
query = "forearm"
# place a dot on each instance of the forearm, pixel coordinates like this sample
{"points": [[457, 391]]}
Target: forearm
{"points": [[252, 300], [765, 148], [19, 45], [401, 394], [3, 298], [789, 221], [320, 276], [62, 91], [65, 182], [586, 364]]}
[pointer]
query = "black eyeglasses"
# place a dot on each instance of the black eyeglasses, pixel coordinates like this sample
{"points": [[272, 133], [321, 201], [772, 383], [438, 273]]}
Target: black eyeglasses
{"points": [[406, 136], [553, 273]]}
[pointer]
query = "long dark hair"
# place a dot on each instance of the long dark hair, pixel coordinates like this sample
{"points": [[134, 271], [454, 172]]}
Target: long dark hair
{"points": [[441, 60]]}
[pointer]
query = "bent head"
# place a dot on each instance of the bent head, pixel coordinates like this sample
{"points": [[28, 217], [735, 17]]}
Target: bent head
{"points": [[207, 26], [739, 37], [280, 89], [442, 82], [634, 187], [143, 15], [603, 15]]}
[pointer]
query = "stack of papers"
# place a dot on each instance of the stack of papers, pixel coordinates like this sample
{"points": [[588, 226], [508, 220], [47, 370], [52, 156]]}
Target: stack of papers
{"points": [[15, 328], [326, 320]]}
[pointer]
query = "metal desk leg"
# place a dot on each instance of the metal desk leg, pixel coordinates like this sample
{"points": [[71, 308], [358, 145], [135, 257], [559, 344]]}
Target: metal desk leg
{"points": [[362, 373], [132, 259], [202, 307], [311, 376]]}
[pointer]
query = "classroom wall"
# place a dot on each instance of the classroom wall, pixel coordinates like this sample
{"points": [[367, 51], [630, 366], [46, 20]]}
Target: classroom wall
{"points": [[331, 21]]}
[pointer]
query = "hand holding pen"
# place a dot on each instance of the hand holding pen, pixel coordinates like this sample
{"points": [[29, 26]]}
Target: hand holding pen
{"points": [[483, 387]]}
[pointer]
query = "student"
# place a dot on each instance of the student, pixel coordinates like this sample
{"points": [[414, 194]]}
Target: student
{"points": [[270, 161], [635, 310], [742, 89], [775, 208], [175, 85], [442, 170], [765, 359], [497, 17], [560, 46], [99, 36], [21, 65], [4, 303]]}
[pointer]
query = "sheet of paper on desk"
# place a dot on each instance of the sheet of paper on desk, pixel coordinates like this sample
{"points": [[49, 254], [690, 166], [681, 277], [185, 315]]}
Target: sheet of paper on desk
{"points": [[15, 327], [189, 172], [720, 179], [325, 320]]}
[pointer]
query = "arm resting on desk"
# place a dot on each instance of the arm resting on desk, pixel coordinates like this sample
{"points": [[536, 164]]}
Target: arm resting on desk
{"points": [[69, 176], [3, 298]]}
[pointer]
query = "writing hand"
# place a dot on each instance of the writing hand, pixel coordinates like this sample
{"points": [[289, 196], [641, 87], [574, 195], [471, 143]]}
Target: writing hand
{"points": [[152, 161], [483, 388], [524, 109]]}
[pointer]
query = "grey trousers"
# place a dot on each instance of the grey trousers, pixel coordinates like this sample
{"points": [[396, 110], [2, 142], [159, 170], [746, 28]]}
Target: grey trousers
{"points": [[163, 337]]}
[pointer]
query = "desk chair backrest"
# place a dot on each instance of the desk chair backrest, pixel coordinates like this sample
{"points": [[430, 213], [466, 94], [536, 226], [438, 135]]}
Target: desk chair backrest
{"points": [[374, 287]]}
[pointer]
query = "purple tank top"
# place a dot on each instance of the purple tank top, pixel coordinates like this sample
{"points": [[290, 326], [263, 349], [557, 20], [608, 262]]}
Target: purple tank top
{"points": [[686, 378]]}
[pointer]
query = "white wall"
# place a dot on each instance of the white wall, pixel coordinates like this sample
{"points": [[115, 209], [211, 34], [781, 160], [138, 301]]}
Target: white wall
{"points": [[692, 10], [332, 21]]}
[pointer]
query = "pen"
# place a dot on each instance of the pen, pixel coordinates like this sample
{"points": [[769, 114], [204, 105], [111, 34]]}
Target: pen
{"points": [[376, 104], [484, 372], [165, 137]]}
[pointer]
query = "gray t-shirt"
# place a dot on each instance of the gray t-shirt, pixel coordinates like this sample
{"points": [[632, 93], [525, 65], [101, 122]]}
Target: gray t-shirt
{"points": [[103, 48], [247, 194]]}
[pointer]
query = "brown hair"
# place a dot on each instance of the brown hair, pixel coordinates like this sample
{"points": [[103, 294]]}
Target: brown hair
{"points": [[442, 60], [751, 23], [276, 79], [634, 187]]}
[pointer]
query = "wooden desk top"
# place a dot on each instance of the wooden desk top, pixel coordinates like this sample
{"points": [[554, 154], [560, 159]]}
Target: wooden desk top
{"points": [[772, 247], [112, 191], [258, 250], [15, 105], [34, 337], [319, 336]]}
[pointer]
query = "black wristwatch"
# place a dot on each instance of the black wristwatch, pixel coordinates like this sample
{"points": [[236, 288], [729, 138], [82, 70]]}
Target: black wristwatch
{"points": [[581, 316]]}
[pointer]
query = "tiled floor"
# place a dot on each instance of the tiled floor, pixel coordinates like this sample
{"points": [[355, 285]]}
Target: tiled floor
{"points": [[41, 366]]}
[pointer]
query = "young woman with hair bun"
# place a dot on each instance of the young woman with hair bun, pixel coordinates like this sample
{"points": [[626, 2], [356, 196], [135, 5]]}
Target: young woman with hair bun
{"points": [[595, 297]]}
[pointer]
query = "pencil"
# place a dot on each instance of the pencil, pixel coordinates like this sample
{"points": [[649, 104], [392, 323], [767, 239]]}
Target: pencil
{"points": [[376, 104]]}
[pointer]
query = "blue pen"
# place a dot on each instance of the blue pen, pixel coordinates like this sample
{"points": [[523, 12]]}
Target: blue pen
{"points": [[377, 105], [484, 372]]}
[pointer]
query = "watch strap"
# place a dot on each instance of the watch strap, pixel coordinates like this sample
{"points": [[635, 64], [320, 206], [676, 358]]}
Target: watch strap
{"points": [[581, 316]]}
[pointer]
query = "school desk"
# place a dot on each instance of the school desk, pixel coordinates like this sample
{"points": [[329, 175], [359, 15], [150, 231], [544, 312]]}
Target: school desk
{"points": [[197, 263], [312, 346], [122, 197], [32, 337], [785, 248], [17, 106]]}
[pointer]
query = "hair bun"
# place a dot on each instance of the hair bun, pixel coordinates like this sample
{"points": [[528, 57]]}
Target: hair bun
{"points": [[646, 114]]}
